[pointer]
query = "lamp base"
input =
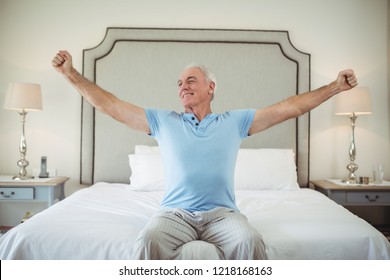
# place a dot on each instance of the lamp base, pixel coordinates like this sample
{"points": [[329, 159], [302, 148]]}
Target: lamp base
{"points": [[350, 181], [22, 177], [22, 162], [352, 167]]}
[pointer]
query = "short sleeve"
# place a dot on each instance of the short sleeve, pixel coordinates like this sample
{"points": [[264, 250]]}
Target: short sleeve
{"points": [[155, 118], [244, 120]]}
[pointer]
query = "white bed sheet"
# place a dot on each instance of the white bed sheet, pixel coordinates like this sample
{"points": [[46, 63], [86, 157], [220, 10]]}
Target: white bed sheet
{"points": [[103, 221]]}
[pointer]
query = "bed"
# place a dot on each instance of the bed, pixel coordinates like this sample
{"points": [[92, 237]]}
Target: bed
{"points": [[122, 169]]}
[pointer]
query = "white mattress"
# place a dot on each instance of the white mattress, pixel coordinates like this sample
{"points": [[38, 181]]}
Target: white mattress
{"points": [[103, 221]]}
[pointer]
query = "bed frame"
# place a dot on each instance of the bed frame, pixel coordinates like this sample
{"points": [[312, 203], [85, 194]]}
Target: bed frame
{"points": [[254, 69]]}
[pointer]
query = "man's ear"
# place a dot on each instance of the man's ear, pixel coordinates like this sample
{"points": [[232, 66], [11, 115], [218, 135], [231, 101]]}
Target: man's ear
{"points": [[211, 87]]}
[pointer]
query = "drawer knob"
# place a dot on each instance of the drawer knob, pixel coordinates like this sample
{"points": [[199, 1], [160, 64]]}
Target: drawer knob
{"points": [[7, 195], [372, 199]]}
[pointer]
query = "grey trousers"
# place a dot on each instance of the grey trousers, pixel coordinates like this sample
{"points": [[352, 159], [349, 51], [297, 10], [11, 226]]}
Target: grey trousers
{"points": [[229, 231]]}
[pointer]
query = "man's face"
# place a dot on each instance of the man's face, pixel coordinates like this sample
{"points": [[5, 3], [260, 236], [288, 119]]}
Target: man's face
{"points": [[194, 89]]}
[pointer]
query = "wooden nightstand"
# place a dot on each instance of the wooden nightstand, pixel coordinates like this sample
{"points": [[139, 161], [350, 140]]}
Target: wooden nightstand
{"points": [[362, 195], [48, 190], [370, 202], [45, 191]]}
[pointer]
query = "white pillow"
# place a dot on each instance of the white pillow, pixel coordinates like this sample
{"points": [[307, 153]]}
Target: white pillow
{"points": [[265, 169], [256, 169], [144, 149], [146, 172]]}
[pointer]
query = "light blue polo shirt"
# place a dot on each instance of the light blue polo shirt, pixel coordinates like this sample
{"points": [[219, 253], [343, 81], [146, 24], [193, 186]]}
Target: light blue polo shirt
{"points": [[199, 157]]}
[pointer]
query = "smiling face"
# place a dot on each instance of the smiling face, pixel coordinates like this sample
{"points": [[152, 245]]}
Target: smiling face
{"points": [[194, 89]]}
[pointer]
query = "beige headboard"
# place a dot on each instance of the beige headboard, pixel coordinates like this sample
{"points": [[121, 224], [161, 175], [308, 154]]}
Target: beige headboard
{"points": [[254, 68]]}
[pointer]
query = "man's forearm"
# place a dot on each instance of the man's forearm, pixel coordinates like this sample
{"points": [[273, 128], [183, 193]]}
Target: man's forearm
{"points": [[305, 102], [97, 96]]}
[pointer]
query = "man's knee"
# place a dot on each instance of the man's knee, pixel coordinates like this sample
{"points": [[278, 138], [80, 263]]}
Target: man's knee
{"points": [[249, 245], [256, 246]]}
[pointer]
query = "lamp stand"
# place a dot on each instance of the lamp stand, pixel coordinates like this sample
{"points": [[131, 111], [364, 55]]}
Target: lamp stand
{"points": [[23, 163], [352, 166]]}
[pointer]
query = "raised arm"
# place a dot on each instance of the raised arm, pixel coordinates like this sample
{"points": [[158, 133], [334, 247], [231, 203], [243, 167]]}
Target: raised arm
{"points": [[297, 105], [127, 113]]}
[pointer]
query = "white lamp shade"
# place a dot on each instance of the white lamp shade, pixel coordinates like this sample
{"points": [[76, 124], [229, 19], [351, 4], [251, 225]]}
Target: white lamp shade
{"points": [[23, 96], [354, 101]]}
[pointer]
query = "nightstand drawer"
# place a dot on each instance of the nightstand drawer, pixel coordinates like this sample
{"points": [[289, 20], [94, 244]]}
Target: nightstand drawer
{"points": [[368, 197], [16, 193]]}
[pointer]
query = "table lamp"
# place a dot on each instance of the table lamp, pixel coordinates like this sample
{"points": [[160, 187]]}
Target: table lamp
{"points": [[23, 97], [352, 103]]}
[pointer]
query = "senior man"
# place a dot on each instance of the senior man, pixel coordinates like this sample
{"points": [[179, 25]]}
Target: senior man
{"points": [[199, 150]]}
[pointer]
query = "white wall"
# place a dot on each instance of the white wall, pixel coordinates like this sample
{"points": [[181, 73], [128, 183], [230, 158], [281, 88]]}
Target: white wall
{"points": [[337, 33]]}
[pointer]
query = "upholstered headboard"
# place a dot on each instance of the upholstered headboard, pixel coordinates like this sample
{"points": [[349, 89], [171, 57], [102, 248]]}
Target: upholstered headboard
{"points": [[254, 69]]}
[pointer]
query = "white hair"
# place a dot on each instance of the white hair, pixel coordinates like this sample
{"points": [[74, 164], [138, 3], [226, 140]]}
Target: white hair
{"points": [[210, 77]]}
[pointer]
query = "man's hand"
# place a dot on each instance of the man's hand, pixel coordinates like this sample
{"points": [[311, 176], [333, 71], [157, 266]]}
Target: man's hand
{"points": [[346, 80], [62, 62]]}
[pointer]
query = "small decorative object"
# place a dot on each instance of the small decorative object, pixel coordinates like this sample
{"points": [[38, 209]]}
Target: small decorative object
{"points": [[364, 180], [27, 216]]}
